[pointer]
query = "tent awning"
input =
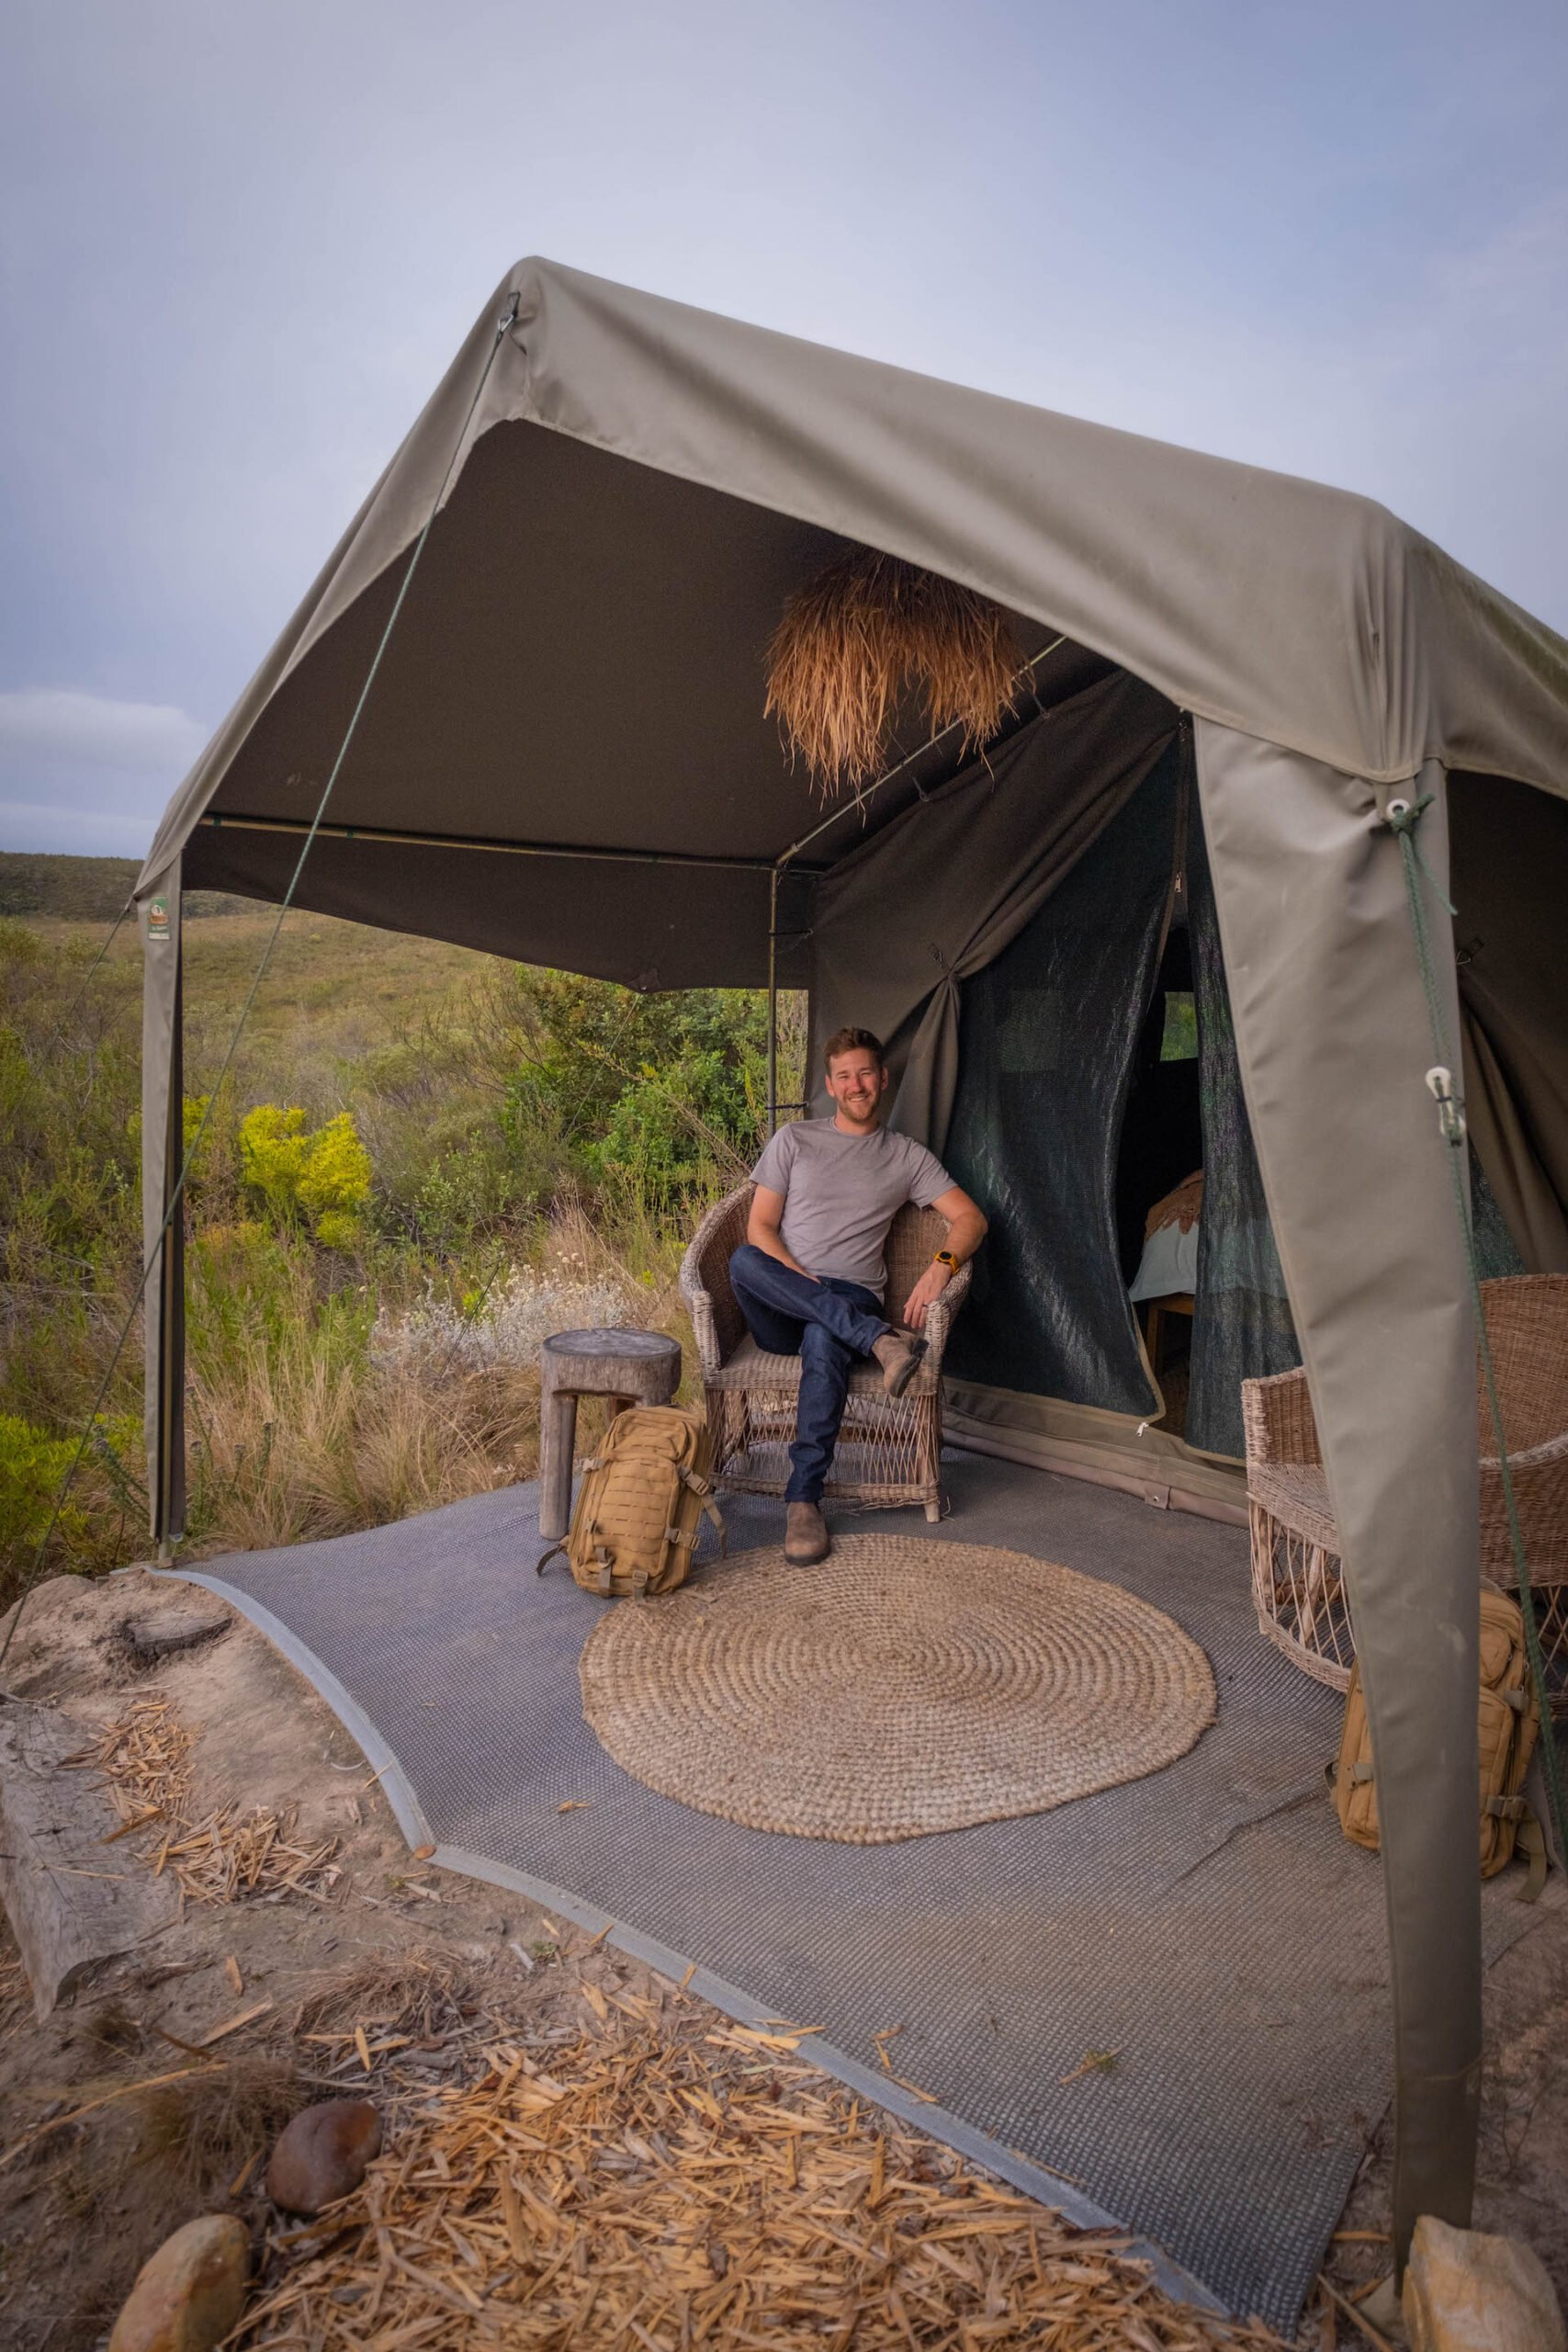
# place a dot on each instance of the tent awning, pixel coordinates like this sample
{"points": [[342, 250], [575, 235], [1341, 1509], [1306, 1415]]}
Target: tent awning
{"points": [[581, 660]]}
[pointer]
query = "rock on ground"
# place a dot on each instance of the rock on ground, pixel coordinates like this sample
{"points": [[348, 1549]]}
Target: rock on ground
{"points": [[323, 2154], [1465, 2291], [191, 2293]]}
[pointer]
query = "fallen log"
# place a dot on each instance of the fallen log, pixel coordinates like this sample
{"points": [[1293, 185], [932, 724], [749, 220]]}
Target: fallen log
{"points": [[75, 1898]]}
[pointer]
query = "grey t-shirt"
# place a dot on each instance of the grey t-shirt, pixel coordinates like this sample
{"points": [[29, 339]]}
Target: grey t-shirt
{"points": [[842, 1192]]}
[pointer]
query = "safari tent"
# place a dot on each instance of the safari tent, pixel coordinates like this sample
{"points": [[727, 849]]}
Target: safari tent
{"points": [[1234, 678]]}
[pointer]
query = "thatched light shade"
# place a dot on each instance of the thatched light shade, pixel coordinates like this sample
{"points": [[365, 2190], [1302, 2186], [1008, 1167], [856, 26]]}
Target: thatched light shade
{"points": [[867, 630]]}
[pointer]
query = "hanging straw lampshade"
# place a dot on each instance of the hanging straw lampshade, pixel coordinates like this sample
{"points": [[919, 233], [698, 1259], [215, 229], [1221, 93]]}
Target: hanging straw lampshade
{"points": [[868, 631]]}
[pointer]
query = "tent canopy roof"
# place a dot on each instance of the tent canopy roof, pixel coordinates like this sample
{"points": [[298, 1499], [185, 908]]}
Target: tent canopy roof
{"points": [[579, 662]]}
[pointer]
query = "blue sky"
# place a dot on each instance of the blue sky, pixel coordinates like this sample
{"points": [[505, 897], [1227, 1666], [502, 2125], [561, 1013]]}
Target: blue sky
{"points": [[239, 240]]}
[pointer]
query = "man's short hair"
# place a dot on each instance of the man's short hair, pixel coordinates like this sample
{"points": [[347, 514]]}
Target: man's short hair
{"points": [[853, 1041]]}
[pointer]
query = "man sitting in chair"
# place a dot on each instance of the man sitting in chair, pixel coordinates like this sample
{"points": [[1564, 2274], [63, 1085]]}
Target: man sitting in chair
{"points": [[810, 1276]]}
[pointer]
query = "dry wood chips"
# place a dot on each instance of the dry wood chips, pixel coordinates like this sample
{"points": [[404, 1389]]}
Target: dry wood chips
{"points": [[223, 1855], [640, 2188]]}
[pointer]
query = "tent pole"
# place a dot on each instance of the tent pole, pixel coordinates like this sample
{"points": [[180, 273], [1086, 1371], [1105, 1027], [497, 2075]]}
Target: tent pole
{"points": [[162, 1156], [774, 1001], [385, 836]]}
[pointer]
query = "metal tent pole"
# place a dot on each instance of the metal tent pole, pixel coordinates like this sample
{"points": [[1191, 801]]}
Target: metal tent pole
{"points": [[774, 1000]]}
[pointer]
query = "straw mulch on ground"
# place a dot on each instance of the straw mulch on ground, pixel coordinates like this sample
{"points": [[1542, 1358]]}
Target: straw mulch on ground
{"points": [[654, 2185], [223, 1855]]}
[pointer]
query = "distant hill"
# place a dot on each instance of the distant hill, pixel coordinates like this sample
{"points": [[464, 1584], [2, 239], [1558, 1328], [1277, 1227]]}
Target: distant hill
{"points": [[87, 889]]}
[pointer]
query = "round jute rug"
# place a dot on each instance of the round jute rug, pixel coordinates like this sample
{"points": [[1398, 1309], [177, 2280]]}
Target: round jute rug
{"points": [[899, 1688]]}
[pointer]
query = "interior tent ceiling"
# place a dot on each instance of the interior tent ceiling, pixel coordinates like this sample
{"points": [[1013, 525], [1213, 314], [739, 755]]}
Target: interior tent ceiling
{"points": [[580, 664]]}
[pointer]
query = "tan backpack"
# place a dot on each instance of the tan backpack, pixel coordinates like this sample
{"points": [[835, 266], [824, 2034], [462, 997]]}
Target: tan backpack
{"points": [[1509, 1723], [636, 1523]]}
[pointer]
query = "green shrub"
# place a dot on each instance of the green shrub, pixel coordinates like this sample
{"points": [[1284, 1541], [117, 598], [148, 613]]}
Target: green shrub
{"points": [[659, 1097], [32, 1465]]}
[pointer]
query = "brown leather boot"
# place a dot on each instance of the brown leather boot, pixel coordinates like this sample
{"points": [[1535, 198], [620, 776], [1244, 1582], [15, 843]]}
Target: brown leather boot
{"points": [[899, 1354], [807, 1539]]}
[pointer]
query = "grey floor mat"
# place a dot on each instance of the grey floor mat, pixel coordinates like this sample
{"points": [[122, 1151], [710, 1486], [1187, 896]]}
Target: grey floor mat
{"points": [[1208, 1925]]}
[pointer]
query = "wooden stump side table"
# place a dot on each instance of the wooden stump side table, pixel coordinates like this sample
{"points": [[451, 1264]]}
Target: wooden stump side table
{"points": [[629, 1367]]}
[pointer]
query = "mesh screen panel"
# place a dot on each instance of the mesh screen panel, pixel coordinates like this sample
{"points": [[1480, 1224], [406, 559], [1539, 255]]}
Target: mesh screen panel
{"points": [[1496, 1251], [1046, 1040], [1241, 1325]]}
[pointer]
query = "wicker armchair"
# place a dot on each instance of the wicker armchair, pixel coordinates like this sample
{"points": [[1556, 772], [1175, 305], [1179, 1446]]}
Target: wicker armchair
{"points": [[889, 1450], [1297, 1588]]}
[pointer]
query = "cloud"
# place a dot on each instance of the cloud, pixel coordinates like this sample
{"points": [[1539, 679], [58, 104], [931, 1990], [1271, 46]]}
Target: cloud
{"points": [[84, 773], [80, 832], [82, 730]]}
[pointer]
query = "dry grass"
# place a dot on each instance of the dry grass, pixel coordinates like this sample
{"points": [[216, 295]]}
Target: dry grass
{"points": [[208, 2133], [223, 1855], [296, 1435], [654, 2190], [341, 1448], [865, 633], [413, 1994]]}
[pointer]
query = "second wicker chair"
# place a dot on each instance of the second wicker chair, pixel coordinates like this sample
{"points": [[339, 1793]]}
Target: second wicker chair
{"points": [[1297, 1587]]}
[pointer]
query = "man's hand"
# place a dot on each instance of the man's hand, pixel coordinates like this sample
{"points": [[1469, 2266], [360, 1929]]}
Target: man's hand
{"points": [[965, 1231], [932, 1284]]}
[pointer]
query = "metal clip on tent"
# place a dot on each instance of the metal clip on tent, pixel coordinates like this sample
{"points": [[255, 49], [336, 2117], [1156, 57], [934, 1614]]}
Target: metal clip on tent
{"points": [[1450, 1115]]}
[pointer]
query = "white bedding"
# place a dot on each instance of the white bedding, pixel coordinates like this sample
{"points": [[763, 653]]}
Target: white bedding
{"points": [[1169, 1263]]}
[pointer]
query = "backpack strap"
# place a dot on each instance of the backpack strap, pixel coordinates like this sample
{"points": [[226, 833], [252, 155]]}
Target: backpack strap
{"points": [[703, 1490]]}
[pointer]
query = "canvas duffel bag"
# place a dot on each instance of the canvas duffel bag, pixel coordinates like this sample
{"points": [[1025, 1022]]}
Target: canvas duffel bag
{"points": [[1509, 1723], [643, 1494]]}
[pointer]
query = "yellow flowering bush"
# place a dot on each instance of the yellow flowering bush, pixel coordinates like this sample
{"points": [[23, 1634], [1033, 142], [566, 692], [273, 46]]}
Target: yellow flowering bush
{"points": [[323, 1176]]}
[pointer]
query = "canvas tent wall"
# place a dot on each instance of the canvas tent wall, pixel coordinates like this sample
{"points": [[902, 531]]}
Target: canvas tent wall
{"points": [[1047, 876], [565, 760]]}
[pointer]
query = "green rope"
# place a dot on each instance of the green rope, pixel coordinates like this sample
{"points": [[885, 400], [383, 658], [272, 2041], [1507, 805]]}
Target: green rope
{"points": [[70, 1013], [1403, 819], [153, 1255]]}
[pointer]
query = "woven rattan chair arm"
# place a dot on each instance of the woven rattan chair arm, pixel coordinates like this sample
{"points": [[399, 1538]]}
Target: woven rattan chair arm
{"points": [[941, 1312], [1541, 1495], [1531, 1457], [717, 1325], [1277, 1420]]}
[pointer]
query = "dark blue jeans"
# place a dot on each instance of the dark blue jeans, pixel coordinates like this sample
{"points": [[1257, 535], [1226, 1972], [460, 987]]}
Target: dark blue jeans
{"points": [[826, 1324]]}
